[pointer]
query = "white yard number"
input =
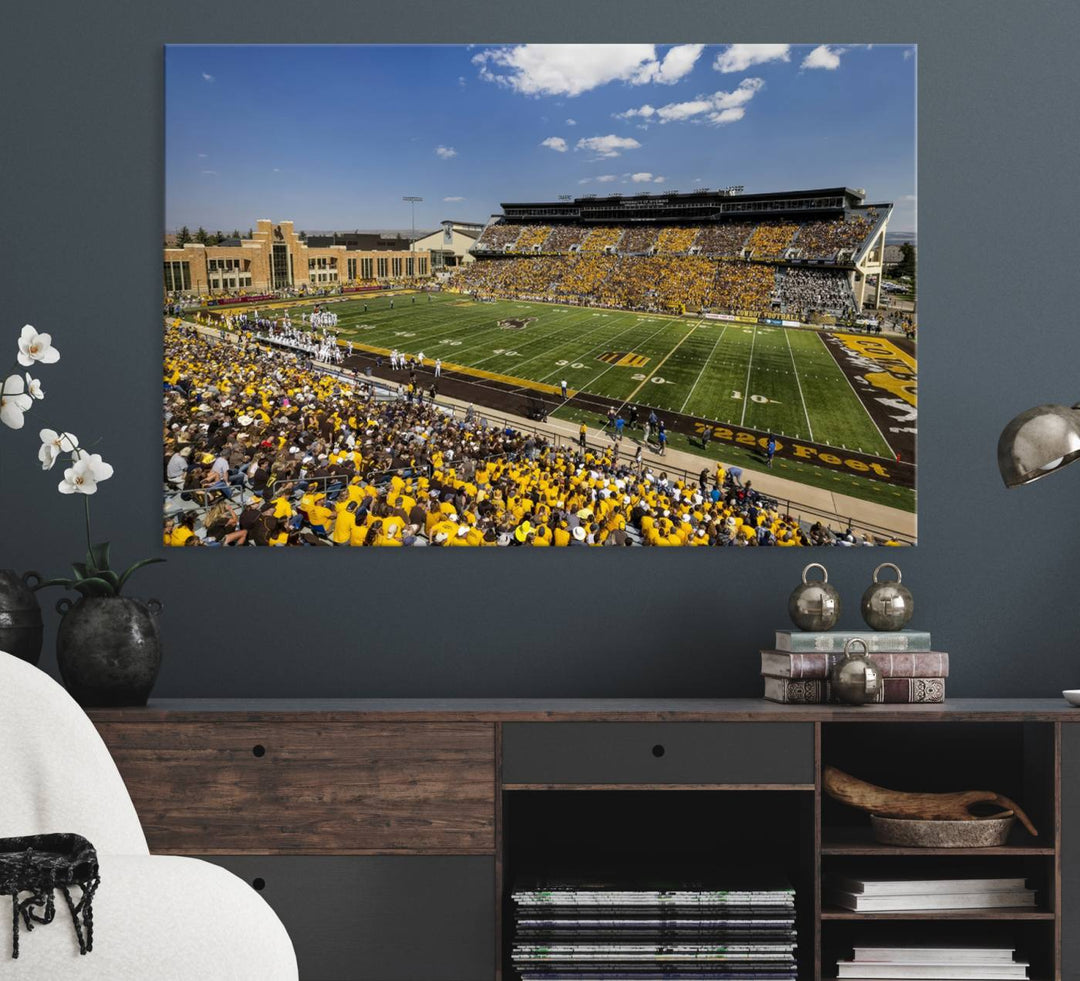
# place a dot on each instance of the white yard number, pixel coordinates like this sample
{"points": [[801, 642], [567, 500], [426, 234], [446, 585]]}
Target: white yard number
{"points": [[504, 351], [753, 398], [656, 379], [446, 340], [567, 364]]}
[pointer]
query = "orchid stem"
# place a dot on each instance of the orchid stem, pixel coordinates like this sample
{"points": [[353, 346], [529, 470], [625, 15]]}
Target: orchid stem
{"points": [[89, 547]]}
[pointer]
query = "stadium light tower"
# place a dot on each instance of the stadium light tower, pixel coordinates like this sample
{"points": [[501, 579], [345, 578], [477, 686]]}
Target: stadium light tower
{"points": [[412, 199]]}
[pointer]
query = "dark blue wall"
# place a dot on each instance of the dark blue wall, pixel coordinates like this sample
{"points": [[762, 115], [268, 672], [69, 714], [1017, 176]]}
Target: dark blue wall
{"points": [[996, 579]]}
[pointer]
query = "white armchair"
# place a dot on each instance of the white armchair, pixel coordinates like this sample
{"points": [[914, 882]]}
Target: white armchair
{"points": [[156, 918]]}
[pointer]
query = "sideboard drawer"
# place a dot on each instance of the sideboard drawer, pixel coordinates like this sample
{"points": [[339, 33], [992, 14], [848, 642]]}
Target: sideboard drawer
{"points": [[230, 788], [696, 753], [381, 918]]}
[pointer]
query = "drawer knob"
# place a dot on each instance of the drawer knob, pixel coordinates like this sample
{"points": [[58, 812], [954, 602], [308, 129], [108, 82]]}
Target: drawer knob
{"points": [[258, 750], [258, 884], [658, 750]]}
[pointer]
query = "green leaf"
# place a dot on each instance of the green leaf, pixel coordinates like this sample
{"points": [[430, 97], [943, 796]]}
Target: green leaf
{"points": [[97, 559], [66, 583], [138, 565], [94, 587], [110, 577], [80, 570]]}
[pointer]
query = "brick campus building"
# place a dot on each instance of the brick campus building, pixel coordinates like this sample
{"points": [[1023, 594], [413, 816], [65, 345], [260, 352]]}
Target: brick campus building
{"points": [[276, 258]]}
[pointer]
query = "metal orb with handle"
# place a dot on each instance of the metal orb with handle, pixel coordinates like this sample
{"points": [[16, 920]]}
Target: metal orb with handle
{"points": [[887, 605], [856, 680], [814, 605]]}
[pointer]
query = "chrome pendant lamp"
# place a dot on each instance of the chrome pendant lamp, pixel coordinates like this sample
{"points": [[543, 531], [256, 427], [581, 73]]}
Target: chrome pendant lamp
{"points": [[1039, 441]]}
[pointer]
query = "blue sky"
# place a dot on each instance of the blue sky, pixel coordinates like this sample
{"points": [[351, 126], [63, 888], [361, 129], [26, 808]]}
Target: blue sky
{"points": [[332, 137]]}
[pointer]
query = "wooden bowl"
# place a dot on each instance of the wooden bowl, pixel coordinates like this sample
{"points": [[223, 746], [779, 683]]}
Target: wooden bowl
{"points": [[912, 832]]}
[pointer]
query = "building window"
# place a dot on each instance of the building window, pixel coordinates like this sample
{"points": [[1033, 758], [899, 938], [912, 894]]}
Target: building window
{"points": [[280, 266], [409, 263], [382, 268], [177, 276], [423, 265], [351, 263], [397, 267], [365, 269]]}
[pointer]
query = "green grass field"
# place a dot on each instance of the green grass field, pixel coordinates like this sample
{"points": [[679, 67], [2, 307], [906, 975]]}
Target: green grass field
{"points": [[762, 377]]}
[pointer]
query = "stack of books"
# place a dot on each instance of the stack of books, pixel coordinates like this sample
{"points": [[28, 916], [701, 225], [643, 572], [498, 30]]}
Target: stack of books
{"points": [[904, 894], [938, 963], [796, 671], [582, 931]]}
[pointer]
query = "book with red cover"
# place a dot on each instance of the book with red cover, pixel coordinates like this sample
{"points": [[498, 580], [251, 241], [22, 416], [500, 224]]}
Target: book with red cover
{"points": [[816, 664]]}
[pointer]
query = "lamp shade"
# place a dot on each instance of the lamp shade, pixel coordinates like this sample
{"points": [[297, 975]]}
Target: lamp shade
{"points": [[1037, 442]]}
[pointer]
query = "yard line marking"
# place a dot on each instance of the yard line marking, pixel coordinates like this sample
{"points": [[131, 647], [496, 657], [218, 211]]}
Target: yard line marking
{"points": [[746, 387], [703, 367], [655, 371], [795, 368], [832, 358]]}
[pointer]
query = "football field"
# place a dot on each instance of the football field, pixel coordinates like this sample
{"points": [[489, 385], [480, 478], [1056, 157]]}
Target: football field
{"points": [[760, 377]]}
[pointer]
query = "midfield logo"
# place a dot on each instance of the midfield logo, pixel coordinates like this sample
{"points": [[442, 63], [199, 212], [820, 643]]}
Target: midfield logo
{"points": [[516, 323]]}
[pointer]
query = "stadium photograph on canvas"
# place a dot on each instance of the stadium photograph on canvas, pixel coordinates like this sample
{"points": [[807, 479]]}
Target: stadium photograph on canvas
{"points": [[532, 295]]}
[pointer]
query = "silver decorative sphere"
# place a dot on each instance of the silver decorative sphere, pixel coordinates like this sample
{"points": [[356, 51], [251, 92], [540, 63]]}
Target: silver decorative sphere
{"points": [[887, 605], [855, 679], [814, 605]]}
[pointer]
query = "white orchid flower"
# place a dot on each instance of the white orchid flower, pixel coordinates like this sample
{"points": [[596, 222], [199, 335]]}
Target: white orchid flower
{"points": [[85, 474], [33, 387], [36, 347], [14, 401], [53, 444]]}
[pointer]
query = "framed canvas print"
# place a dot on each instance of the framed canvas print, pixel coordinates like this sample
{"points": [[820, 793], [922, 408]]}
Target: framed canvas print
{"points": [[536, 295]]}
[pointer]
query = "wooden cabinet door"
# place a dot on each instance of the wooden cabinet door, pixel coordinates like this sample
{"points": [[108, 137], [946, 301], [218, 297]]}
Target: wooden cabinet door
{"points": [[204, 787]]}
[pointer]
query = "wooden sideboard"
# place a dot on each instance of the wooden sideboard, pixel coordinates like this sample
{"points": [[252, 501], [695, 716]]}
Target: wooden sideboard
{"points": [[387, 833]]}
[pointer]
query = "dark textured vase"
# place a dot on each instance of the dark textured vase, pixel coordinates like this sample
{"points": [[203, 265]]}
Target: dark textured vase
{"points": [[108, 649], [20, 616]]}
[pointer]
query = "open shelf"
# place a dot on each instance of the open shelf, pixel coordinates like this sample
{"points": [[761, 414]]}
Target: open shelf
{"points": [[1003, 913], [860, 841]]}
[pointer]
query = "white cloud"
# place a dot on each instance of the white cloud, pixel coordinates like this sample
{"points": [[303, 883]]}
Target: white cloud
{"points": [[677, 64], [445, 152], [555, 143], [908, 53], [571, 122], [570, 69], [210, 173], [461, 80], [739, 57], [277, 170], [454, 198], [202, 156], [644, 177], [599, 179], [207, 77], [607, 146], [719, 108], [697, 180], [823, 57]]}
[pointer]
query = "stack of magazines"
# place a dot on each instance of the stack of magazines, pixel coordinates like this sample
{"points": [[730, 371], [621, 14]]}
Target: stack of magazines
{"points": [[601, 931]]}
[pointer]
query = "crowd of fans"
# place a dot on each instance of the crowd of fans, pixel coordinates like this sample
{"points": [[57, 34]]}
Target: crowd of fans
{"points": [[728, 239], [262, 449], [824, 239], [744, 287], [601, 238], [638, 238], [805, 291], [563, 237], [769, 241], [673, 239], [531, 238]]}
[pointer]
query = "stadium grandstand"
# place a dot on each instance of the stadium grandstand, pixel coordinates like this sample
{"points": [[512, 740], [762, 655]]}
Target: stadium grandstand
{"points": [[801, 255]]}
